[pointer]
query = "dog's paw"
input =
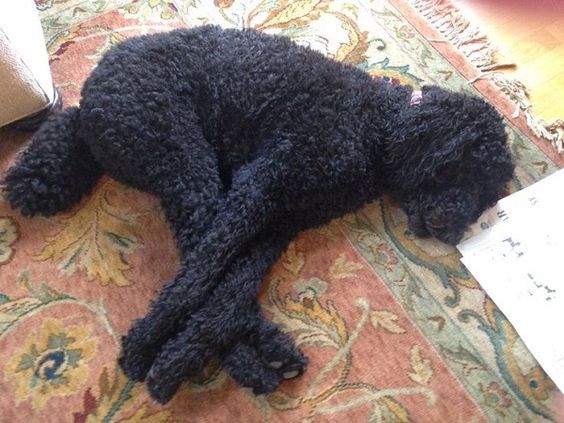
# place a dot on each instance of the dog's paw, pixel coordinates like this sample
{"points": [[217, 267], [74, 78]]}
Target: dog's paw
{"points": [[180, 358], [278, 350], [249, 370], [137, 355], [261, 356], [161, 388], [264, 358]]}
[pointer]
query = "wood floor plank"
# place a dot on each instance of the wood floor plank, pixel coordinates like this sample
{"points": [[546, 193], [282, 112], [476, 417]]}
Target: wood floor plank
{"points": [[534, 40]]}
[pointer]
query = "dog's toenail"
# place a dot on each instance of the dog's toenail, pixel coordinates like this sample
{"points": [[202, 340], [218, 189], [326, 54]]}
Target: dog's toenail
{"points": [[276, 364], [290, 374]]}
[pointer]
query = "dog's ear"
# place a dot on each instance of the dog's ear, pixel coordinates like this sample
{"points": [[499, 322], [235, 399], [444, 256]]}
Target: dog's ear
{"points": [[442, 131]]}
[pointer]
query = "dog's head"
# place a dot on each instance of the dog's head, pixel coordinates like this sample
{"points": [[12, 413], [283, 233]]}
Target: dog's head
{"points": [[447, 161]]}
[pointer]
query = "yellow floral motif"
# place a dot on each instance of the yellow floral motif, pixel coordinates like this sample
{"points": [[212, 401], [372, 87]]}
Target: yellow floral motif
{"points": [[293, 260], [421, 367], [354, 50], [330, 393], [343, 269], [8, 235], [329, 231], [386, 320], [540, 383], [322, 325], [151, 10], [52, 362], [294, 12], [534, 384], [95, 238], [469, 282]]}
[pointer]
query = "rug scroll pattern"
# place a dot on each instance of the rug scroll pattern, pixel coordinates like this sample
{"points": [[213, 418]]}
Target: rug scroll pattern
{"points": [[396, 328]]}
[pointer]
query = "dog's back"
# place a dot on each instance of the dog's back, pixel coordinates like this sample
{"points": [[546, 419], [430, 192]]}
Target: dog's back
{"points": [[245, 87]]}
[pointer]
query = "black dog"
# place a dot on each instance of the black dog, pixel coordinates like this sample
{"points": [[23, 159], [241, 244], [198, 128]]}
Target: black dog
{"points": [[247, 139]]}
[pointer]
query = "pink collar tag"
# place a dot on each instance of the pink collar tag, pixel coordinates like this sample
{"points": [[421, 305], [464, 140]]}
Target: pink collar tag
{"points": [[416, 97]]}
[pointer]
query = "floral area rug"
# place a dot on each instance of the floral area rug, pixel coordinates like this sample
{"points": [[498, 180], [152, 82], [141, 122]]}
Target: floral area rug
{"points": [[395, 327]]}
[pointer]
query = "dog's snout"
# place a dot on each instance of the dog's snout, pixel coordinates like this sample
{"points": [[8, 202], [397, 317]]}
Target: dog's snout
{"points": [[417, 225], [451, 238]]}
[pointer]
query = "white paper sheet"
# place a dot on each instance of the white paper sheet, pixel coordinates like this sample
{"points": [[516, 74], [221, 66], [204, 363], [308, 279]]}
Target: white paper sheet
{"points": [[516, 252]]}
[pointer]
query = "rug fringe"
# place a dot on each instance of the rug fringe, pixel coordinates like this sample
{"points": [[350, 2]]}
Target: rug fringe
{"points": [[517, 92], [476, 46]]}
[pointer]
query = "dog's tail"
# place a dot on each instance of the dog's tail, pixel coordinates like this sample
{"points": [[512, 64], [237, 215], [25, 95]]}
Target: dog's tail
{"points": [[55, 170]]}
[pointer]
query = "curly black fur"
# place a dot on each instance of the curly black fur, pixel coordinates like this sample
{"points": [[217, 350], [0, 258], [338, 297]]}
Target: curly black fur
{"points": [[248, 139], [55, 171]]}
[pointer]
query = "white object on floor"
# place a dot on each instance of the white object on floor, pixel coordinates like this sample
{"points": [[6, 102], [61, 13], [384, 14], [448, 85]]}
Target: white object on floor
{"points": [[25, 77], [514, 252]]}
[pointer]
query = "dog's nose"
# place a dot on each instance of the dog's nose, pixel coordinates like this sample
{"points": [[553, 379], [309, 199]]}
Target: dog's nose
{"points": [[451, 238], [443, 231], [417, 226]]}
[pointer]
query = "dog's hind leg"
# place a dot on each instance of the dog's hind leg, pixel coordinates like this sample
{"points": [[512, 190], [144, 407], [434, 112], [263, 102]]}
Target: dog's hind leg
{"points": [[231, 314], [178, 166], [246, 210], [185, 177]]}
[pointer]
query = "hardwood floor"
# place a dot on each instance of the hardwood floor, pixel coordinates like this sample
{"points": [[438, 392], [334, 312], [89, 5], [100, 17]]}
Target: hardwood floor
{"points": [[532, 35]]}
